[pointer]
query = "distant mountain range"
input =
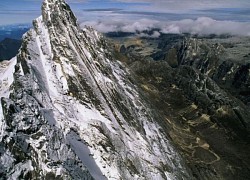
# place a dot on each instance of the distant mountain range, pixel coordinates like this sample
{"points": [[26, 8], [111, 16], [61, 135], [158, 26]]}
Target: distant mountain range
{"points": [[10, 40], [9, 48], [13, 31]]}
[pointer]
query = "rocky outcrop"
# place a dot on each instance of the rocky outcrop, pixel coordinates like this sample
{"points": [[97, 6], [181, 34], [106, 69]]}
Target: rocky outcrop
{"points": [[228, 68], [214, 101]]}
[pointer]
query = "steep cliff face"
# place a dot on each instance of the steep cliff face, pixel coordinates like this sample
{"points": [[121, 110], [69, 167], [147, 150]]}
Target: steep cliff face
{"points": [[69, 111]]}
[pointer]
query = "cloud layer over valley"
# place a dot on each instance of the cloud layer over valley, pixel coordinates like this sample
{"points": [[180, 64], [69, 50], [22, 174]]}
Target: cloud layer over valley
{"points": [[201, 26], [168, 16]]}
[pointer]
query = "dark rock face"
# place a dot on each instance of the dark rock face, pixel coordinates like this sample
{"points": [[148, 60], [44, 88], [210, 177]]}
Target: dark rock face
{"points": [[123, 49], [212, 99], [165, 46], [9, 48], [200, 55], [211, 58]]}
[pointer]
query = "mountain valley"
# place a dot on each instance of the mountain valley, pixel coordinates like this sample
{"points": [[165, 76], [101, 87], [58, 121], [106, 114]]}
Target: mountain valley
{"points": [[191, 82]]}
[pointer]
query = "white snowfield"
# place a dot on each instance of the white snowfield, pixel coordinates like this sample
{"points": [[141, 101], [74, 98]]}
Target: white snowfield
{"points": [[85, 112]]}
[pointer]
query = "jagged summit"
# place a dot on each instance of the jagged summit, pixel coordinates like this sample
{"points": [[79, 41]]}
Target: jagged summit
{"points": [[57, 13], [69, 111]]}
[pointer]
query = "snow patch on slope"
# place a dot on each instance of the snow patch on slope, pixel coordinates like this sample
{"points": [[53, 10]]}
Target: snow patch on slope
{"points": [[7, 69]]}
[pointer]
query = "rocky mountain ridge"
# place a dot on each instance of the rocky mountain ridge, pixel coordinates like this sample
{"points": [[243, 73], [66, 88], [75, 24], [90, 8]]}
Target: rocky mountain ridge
{"points": [[69, 111], [228, 66]]}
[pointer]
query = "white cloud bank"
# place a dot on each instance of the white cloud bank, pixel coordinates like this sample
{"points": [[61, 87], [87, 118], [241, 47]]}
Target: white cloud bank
{"points": [[201, 26], [205, 25]]}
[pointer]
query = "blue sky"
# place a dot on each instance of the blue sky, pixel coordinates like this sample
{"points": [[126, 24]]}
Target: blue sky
{"points": [[113, 14], [24, 11]]}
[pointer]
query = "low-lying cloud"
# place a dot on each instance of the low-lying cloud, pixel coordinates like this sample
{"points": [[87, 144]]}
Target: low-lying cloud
{"points": [[201, 26], [205, 26]]}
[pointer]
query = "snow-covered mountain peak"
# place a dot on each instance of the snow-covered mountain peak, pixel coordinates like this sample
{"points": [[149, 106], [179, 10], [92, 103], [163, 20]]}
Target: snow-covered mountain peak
{"points": [[75, 113], [57, 13]]}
